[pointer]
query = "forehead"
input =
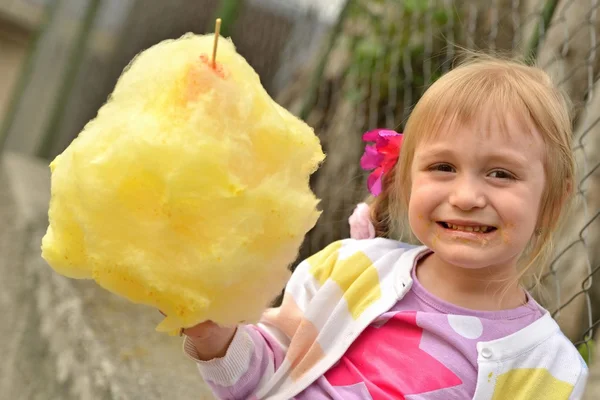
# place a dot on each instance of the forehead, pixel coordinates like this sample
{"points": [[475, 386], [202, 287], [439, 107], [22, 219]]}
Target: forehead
{"points": [[487, 129]]}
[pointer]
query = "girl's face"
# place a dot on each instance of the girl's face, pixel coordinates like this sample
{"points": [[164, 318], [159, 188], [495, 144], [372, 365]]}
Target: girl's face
{"points": [[476, 193]]}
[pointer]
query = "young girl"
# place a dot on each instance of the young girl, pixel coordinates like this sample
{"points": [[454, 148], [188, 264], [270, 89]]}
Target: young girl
{"points": [[484, 171]]}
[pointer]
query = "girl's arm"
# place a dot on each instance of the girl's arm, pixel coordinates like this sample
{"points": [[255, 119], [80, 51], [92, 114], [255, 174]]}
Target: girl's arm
{"points": [[234, 362], [238, 362], [209, 340]]}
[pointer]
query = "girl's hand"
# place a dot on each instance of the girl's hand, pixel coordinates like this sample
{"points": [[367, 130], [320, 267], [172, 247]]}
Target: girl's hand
{"points": [[361, 226], [209, 339], [202, 330]]}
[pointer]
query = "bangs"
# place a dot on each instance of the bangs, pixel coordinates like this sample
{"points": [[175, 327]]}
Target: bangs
{"points": [[490, 96], [492, 101]]}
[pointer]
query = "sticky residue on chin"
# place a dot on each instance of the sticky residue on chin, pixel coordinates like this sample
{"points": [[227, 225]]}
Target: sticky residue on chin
{"points": [[482, 241]]}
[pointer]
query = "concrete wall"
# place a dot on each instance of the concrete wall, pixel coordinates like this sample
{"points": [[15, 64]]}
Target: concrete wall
{"points": [[68, 339], [14, 41]]}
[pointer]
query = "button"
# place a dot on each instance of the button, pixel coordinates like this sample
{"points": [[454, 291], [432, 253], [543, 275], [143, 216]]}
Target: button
{"points": [[486, 353]]}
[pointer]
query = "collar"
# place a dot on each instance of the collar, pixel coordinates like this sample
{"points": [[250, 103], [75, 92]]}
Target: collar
{"points": [[403, 268], [503, 348], [519, 342]]}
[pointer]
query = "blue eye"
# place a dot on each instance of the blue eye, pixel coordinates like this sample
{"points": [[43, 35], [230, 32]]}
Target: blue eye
{"points": [[501, 174]]}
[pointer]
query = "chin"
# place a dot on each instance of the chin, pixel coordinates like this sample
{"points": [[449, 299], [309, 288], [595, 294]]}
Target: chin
{"points": [[470, 255]]}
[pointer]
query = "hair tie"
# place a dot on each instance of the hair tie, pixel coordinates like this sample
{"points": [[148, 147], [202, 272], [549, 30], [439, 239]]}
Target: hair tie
{"points": [[380, 157]]}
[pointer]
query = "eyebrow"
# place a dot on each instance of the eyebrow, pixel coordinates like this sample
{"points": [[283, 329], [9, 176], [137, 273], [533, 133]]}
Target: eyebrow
{"points": [[512, 157], [436, 153]]}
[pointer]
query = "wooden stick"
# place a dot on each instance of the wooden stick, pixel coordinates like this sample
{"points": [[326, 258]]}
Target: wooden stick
{"points": [[216, 43]]}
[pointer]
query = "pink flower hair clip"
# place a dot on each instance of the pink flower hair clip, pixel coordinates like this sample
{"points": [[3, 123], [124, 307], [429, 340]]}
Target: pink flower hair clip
{"points": [[381, 156]]}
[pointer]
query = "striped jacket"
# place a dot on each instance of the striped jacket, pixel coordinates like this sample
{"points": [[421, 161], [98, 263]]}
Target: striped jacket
{"points": [[335, 294]]}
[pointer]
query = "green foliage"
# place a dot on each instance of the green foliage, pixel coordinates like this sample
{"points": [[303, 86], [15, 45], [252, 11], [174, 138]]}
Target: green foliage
{"points": [[413, 6], [228, 11], [586, 350], [387, 38]]}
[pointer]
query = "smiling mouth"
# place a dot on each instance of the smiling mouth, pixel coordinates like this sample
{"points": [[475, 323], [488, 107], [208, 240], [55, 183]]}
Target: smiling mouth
{"points": [[470, 228]]}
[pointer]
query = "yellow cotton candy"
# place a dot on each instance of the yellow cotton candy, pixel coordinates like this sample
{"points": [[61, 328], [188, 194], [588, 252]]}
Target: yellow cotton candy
{"points": [[189, 191]]}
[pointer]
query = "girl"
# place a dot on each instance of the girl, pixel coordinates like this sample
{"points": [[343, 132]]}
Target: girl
{"points": [[484, 171]]}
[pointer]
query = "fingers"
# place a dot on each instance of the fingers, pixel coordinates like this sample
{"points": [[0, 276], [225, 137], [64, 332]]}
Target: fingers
{"points": [[199, 330]]}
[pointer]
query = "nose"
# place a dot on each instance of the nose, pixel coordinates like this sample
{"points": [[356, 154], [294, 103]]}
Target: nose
{"points": [[467, 194]]}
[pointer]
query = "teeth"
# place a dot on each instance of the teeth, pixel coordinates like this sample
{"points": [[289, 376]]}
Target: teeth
{"points": [[483, 229]]}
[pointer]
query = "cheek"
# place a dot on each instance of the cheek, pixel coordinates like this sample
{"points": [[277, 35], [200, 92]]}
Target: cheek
{"points": [[534, 202], [519, 214], [424, 198], [425, 193], [536, 194]]}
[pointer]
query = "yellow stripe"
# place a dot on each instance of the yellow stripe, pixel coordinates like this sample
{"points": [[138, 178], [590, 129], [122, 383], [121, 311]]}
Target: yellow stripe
{"points": [[356, 276], [323, 262], [359, 281], [530, 384]]}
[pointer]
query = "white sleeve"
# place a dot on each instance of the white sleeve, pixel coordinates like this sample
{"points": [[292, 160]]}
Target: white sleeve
{"points": [[579, 388]]}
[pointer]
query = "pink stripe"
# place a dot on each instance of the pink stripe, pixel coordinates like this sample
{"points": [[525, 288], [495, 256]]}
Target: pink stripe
{"points": [[265, 348]]}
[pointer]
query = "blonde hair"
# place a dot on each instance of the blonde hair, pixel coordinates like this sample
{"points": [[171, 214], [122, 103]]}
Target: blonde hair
{"points": [[503, 86]]}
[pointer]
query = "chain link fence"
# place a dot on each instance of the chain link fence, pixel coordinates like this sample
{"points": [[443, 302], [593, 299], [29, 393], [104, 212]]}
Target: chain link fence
{"points": [[382, 55]]}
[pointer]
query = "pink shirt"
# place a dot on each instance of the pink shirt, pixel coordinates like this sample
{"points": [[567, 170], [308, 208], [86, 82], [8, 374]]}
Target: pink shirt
{"points": [[423, 348]]}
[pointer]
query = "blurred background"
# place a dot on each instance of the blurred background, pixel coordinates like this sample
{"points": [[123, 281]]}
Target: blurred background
{"points": [[344, 66]]}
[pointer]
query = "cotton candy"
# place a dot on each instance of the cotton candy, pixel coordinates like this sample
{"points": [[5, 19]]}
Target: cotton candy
{"points": [[189, 191]]}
